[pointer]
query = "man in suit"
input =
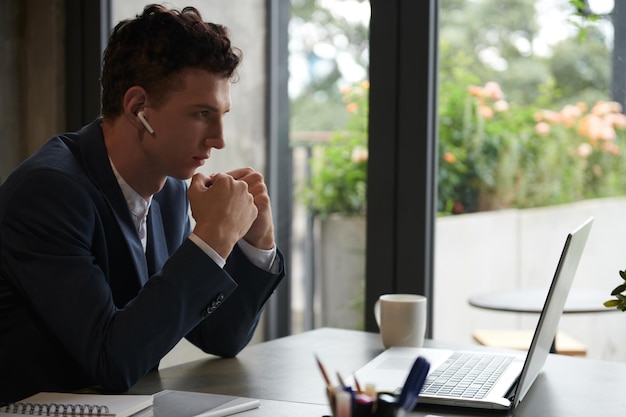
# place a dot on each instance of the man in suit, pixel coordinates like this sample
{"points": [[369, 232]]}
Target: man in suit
{"points": [[100, 272]]}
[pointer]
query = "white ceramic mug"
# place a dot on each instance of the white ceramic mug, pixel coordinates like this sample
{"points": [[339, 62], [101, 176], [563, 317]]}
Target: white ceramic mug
{"points": [[401, 319]]}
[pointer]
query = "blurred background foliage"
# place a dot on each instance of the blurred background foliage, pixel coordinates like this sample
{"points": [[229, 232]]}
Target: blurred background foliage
{"points": [[510, 76]]}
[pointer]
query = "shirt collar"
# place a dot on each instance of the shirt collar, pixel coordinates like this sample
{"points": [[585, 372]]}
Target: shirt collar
{"points": [[137, 205]]}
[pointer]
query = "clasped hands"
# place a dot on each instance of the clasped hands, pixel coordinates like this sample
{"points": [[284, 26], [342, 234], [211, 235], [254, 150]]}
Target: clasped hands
{"points": [[230, 206]]}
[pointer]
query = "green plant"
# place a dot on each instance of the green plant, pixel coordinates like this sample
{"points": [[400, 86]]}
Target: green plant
{"points": [[582, 17], [339, 167], [620, 298]]}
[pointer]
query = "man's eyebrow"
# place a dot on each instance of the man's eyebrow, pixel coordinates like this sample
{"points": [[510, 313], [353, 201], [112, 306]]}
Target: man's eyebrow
{"points": [[210, 108]]}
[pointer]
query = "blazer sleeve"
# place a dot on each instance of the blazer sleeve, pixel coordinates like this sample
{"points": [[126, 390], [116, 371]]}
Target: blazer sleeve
{"points": [[51, 254], [230, 328]]}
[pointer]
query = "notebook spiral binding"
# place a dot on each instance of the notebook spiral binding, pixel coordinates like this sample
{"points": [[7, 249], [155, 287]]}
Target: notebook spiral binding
{"points": [[84, 410]]}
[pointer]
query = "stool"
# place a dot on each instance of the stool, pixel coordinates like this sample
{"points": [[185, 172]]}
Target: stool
{"points": [[520, 340]]}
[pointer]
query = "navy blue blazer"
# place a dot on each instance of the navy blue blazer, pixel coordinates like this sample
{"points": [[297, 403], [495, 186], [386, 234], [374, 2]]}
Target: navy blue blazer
{"points": [[81, 304]]}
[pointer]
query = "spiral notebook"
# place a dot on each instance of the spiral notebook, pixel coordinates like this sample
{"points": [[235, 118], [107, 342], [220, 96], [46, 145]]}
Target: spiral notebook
{"points": [[166, 403], [66, 404]]}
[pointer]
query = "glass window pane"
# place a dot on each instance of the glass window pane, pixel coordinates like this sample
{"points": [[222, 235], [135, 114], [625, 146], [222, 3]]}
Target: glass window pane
{"points": [[328, 90], [532, 141]]}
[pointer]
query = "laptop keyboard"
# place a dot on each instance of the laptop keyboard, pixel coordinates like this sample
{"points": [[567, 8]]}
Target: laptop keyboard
{"points": [[466, 375]]}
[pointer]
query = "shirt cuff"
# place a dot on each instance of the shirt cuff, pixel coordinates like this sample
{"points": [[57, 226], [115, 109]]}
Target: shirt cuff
{"points": [[261, 258], [208, 250], [265, 259]]}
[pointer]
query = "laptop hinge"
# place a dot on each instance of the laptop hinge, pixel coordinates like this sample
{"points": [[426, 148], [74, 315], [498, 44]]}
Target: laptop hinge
{"points": [[510, 394]]}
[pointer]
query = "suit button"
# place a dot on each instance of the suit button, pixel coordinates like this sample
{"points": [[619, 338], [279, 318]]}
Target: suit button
{"points": [[215, 303]]}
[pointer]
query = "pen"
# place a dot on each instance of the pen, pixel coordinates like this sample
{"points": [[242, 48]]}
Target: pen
{"points": [[413, 385]]}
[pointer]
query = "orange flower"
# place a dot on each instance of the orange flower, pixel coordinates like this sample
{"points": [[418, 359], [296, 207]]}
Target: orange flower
{"points": [[485, 111], [352, 107], [569, 115], [475, 90], [449, 157], [359, 155]]}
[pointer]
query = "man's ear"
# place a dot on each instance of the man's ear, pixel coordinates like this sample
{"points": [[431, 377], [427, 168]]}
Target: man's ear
{"points": [[135, 100]]}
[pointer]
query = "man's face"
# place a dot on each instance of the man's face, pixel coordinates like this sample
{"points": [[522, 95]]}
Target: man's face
{"points": [[187, 124]]}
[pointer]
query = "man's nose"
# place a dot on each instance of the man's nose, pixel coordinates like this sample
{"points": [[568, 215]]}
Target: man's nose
{"points": [[215, 137]]}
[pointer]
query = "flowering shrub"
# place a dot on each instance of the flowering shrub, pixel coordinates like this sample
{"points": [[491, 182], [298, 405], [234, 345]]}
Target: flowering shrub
{"points": [[596, 145], [494, 154], [339, 167]]}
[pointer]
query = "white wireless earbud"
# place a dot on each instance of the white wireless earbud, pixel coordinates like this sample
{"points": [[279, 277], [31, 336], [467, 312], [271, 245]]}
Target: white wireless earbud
{"points": [[145, 122]]}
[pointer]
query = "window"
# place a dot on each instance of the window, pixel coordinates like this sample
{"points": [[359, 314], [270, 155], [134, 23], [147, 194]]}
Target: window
{"points": [[531, 143]]}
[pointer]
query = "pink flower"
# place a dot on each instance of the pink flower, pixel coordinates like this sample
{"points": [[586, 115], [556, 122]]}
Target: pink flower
{"points": [[605, 107], [548, 116], [597, 170], [607, 132], [611, 147], [584, 150], [616, 119], [569, 115], [501, 106], [493, 91], [542, 128]]}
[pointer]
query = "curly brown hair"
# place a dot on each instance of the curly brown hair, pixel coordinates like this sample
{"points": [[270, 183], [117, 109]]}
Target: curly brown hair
{"points": [[154, 48]]}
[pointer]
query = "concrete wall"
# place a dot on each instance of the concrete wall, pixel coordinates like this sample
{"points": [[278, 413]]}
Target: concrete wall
{"points": [[510, 249]]}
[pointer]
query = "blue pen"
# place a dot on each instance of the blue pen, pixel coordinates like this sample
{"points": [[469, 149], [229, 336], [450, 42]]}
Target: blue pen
{"points": [[413, 385]]}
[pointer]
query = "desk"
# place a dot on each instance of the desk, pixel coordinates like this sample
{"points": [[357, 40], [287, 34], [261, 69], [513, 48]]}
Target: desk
{"points": [[285, 370]]}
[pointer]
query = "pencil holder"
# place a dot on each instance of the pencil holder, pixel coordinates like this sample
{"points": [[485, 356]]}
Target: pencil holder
{"points": [[344, 402]]}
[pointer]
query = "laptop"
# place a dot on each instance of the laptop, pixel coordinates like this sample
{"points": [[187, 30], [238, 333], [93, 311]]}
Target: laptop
{"points": [[496, 381]]}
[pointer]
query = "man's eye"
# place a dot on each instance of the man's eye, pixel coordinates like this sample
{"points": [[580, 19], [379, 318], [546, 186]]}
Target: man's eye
{"points": [[203, 113]]}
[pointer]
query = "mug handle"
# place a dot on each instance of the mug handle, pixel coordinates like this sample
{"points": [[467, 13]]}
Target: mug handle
{"points": [[377, 312]]}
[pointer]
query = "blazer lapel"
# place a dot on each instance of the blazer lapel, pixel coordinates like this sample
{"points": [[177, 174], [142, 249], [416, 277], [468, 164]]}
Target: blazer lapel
{"points": [[98, 167]]}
